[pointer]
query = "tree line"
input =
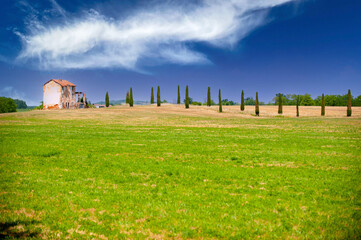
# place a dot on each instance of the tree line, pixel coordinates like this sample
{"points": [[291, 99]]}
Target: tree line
{"points": [[280, 100], [10, 105]]}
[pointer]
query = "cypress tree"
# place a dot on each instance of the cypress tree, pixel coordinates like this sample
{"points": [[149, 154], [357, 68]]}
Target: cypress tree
{"points": [[131, 98], [323, 105], [127, 98], [107, 99], [349, 99], [257, 105], [220, 101], [187, 98], [158, 97], [152, 97], [178, 98], [242, 101], [209, 103], [297, 106], [280, 110]]}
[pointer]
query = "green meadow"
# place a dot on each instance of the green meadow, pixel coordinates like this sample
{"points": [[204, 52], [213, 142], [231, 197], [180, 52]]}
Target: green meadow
{"points": [[120, 174]]}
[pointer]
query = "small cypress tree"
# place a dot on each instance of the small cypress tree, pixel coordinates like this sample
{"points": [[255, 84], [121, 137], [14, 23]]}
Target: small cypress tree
{"points": [[158, 97], [152, 97], [297, 106], [220, 101], [187, 98], [131, 98], [107, 99], [178, 98], [257, 105], [127, 98], [323, 105], [280, 107], [242, 101], [349, 99], [209, 103]]}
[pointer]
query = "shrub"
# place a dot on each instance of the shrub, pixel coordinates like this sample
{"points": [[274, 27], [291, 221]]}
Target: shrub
{"points": [[349, 99], [178, 98], [242, 101], [131, 98], [197, 103], [7, 105], [152, 97], [107, 99], [158, 97], [220, 101], [323, 105], [257, 105], [187, 98]]}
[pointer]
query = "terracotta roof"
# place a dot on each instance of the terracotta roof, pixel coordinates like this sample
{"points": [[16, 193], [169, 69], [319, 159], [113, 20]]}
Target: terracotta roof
{"points": [[62, 82]]}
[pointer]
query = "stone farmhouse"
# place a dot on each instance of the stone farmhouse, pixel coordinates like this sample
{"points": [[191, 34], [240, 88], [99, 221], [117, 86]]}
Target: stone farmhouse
{"points": [[61, 94]]}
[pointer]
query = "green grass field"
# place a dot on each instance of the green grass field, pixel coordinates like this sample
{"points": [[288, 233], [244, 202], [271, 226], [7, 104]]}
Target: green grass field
{"points": [[110, 174]]}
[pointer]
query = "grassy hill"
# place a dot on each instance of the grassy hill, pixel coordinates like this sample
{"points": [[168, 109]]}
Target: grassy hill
{"points": [[167, 172]]}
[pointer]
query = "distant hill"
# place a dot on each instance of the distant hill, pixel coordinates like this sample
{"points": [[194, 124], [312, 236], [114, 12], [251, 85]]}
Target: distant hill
{"points": [[122, 102]]}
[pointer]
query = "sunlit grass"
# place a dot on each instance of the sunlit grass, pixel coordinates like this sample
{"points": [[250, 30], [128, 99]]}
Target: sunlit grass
{"points": [[142, 175]]}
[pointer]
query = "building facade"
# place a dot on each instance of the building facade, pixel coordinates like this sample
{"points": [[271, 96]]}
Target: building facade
{"points": [[61, 94]]}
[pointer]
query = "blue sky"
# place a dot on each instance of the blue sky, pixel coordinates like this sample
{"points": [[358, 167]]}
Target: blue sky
{"points": [[269, 46]]}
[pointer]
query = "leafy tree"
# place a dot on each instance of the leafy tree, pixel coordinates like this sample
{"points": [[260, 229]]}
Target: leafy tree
{"points": [[131, 98], [158, 97], [107, 99], [257, 105], [7, 105], [127, 98], [250, 101], [349, 102], [228, 102], [178, 98], [187, 98], [152, 97], [297, 106], [20, 104], [242, 101], [323, 105], [220, 101], [280, 107], [306, 100], [209, 97], [356, 101], [196, 103]]}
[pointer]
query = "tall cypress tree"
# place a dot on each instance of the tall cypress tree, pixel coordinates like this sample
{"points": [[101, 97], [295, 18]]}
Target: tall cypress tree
{"points": [[242, 101], [187, 98], [209, 103], [152, 97], [297, 106], [323, 105], [349, 99], [257, 105], [131, 98], [178, 98], [127, 98], [280, 107], [107, 99], [158, 97], [220, 101]]}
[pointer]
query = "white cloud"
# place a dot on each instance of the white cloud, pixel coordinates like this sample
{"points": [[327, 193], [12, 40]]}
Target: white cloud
{"points": [[161, 34]]}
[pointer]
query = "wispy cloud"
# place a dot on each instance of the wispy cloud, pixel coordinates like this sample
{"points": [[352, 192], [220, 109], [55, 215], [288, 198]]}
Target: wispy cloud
{"points": [[58, 8], [162, 33], [13, 93]]}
